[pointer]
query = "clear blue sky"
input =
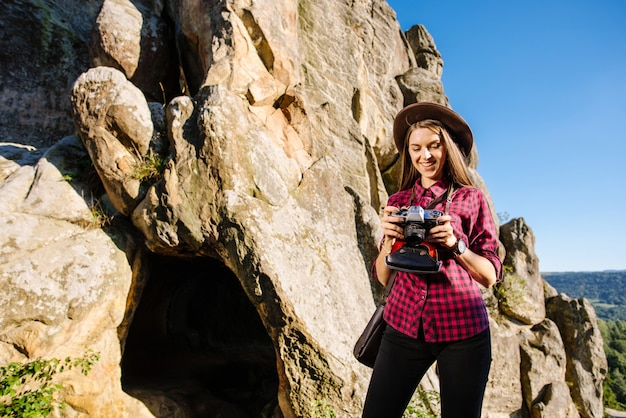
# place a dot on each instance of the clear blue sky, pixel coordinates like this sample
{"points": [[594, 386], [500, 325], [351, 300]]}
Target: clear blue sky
{"points": [[543, 86]]}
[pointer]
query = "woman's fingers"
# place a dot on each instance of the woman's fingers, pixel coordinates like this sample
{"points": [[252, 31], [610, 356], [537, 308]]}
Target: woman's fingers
{"points": [[391, 229], [391, 224], [442, 233]]}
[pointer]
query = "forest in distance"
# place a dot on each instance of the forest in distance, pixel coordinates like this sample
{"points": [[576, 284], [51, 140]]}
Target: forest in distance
{"points": [[605, 291]]}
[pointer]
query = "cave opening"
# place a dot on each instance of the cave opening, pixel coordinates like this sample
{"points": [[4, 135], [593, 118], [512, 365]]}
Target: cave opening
{"points": [[196, 346]]}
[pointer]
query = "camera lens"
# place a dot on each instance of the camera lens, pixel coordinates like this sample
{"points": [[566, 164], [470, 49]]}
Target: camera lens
{"points": [[414, 233]]}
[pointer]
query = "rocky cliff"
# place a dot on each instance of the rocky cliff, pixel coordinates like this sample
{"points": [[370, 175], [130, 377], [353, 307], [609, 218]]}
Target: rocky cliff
{"points": [[192, 189]]}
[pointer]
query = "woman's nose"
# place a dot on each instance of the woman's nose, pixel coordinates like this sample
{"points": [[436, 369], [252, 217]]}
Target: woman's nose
{"points": [[427, 153]]}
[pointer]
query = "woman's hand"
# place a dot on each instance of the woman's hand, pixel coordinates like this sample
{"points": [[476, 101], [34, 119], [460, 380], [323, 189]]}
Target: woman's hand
{"points": [[442, 234], [477, 266], [392, 225], [392, 229]]}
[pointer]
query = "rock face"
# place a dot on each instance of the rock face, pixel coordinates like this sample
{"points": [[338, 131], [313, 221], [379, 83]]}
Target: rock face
{"points": [[65, 282], [44, 49], [586, 362], [241, 153], [521, 292]]}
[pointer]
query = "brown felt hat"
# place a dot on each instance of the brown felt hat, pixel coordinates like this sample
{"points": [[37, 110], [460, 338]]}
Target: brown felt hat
{"points": [[458, 129]]}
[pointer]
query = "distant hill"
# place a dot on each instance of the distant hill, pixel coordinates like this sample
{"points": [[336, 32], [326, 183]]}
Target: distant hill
{"points": [[606, 290]]}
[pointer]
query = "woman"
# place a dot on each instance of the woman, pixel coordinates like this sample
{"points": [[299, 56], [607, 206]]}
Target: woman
{"points": [[439, 316]]}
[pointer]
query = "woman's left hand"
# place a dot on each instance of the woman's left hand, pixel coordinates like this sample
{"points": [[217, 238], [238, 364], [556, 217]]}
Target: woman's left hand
{"points": [[442, 233]]}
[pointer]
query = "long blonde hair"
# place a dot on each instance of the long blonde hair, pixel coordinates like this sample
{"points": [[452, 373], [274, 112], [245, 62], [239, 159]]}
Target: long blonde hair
{"points": [[455, 168]]}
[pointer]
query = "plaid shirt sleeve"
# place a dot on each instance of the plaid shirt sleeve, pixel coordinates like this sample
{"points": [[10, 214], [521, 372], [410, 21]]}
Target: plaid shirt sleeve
{"points": [[475, 224], [446, 306]]}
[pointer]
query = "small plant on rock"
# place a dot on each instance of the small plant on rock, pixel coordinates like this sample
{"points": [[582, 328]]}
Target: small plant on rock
{"points": [[26, 389], [425, 404], [150, 168], [321, 410]]}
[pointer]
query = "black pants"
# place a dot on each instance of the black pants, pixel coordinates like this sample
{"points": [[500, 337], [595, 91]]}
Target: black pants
{"points": [[402, 361]]}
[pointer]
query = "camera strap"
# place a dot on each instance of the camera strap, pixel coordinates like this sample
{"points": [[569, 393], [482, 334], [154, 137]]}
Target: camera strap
{"points": [[448, 193]]}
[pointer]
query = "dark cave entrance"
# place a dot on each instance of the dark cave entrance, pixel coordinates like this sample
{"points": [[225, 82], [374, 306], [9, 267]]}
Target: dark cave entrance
{"points": [[197, 347]]}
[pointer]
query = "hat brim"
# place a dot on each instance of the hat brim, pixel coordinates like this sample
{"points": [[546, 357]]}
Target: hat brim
{"points": [[458, 129]]}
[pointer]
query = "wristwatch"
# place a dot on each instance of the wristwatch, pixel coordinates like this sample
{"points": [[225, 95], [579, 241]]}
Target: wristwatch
{"points": [[459, 248]]}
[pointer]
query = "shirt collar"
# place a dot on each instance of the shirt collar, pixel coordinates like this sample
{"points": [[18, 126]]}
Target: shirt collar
{"points": [[440, 187]]}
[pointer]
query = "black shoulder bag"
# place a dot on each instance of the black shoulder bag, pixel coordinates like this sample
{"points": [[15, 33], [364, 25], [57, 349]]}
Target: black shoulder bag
{"points": [[366, 347]]}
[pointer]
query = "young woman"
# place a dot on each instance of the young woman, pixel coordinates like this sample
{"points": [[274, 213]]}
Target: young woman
{"points": [[437, 316]]}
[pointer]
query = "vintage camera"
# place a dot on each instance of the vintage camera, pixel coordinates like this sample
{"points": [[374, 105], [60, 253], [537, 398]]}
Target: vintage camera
{"points": [[417, 222], [412, 254]]}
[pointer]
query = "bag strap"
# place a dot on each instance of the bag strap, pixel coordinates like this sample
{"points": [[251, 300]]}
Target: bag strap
{"points": [[390, 282]]}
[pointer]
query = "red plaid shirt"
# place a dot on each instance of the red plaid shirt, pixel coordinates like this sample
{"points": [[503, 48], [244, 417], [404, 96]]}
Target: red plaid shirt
{"points": [[449, 304]]}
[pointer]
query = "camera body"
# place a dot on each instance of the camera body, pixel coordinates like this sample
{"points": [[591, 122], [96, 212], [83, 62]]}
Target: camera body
{"points": [[417, 222]]}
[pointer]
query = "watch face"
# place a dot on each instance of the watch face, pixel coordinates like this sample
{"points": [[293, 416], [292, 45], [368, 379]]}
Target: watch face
{"points": [[460, 245]]}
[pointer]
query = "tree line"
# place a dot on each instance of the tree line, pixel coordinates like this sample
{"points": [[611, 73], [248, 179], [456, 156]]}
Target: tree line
{"points": [[614, 335], [604, 289]]}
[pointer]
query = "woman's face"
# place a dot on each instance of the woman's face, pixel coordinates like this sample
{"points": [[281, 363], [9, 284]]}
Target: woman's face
{"points": [[428, 155]]}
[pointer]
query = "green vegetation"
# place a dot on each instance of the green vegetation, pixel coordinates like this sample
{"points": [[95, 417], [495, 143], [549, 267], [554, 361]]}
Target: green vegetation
{"points": [[509, 291], [150, 169], [101, 219], [321, 410], [605, 291], [614, 335], [425, 404], [26, 389], [80, 170]]}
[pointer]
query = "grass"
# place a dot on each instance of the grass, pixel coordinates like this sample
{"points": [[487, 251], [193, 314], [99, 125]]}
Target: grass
{"points": [[150, 169], [101, 218]]}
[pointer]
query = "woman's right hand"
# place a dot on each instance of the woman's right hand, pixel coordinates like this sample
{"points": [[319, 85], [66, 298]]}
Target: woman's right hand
{"points": [[392, 225]]}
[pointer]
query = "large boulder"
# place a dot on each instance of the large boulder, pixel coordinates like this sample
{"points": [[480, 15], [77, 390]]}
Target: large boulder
{"points": [[65, 282], [132, 37], [543, 366], [586, 361], [521, 290]]}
